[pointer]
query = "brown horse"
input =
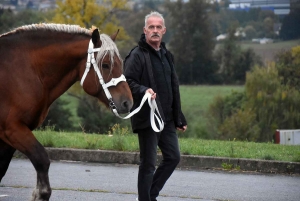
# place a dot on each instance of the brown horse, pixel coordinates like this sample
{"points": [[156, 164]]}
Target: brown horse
{"points": [[38, 63]]}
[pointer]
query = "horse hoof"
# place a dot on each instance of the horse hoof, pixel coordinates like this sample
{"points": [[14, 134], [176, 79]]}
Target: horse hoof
{"points": [[37, 195]]}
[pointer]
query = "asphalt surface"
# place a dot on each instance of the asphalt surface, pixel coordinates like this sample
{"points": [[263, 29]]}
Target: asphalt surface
{"points": [[115, 182]]}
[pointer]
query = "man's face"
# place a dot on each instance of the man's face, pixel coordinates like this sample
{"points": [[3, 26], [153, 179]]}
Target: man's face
{"points": [[154, 30]]}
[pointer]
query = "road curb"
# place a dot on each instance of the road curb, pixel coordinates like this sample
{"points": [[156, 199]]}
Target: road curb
{"points": [[186, 162]]}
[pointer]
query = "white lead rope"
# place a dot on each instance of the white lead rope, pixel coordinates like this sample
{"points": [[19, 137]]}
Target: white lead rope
{"points": [[153, 108]]}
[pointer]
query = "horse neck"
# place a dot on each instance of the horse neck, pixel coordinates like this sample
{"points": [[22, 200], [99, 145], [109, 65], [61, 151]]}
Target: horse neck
{"points": [[61, 64]]}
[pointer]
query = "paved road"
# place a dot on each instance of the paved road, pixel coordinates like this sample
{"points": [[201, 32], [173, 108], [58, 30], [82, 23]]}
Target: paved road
{"points": [[113, 182]]}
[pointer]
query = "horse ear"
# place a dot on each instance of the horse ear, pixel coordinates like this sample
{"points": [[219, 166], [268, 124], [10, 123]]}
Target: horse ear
{"points": [[114, 36], [95, 36]]}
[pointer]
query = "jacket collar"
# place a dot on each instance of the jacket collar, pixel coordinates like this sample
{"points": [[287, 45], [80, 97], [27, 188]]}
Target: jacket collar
{"points": [[142, 43]]}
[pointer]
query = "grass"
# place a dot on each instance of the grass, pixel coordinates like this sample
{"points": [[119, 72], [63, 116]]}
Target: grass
{"points": [[122, 140], [87, 141], [195, 101], [238, 149], [199, 97]]}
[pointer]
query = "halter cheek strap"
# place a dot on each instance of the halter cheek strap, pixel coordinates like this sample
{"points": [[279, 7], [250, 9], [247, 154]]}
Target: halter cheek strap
{"points": [[114, 82]]}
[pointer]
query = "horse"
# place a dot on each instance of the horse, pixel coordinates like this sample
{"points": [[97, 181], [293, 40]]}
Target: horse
{"points": [[38, 63]]}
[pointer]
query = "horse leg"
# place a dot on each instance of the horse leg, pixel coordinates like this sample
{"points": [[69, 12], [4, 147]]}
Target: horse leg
{"points": [[22, 139], [6, 154]]}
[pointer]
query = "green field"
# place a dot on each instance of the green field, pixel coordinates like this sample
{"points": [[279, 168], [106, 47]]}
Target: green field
{"points": [[198, 98], [195, 101]]}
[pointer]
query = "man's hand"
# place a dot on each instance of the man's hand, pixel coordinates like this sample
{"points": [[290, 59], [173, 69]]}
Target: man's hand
{"points": [[150, 91], [183, 128]]}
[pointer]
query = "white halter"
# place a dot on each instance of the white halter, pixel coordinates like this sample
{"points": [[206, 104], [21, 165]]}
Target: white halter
{"points": [[114, 82]]}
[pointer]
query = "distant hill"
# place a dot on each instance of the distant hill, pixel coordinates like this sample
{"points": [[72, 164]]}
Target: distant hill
{"points": [[268, 51]]}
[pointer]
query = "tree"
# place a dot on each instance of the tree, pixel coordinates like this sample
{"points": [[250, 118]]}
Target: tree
{"points": [[246, 61], [134, 25], [250, 32], [6, 16], [10, 20], [191, 41], [290, 26], [87, 13], [234, 62], [269, 27]]}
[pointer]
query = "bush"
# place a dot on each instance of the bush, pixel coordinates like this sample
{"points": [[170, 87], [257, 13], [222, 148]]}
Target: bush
{"points": [[275, 104], [221, 109], [288, 67], [59, 117], [241, 126], [96, 117], [119, 135]]}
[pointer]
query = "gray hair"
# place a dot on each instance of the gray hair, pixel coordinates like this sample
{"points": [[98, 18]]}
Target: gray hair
{"points": [[154, 14]]}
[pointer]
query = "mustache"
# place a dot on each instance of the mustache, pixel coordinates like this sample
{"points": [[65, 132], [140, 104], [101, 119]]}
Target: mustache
{"points": [[155, 34]]}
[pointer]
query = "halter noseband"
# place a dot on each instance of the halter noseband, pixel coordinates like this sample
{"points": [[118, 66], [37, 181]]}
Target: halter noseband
{"points": [[112, 82]]}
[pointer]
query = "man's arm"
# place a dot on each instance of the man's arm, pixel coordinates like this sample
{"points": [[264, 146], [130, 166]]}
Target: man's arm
{"points": [[133, 73]]}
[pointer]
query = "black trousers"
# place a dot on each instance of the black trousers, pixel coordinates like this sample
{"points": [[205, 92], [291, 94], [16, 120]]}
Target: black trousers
{"points": [[151, 180]]}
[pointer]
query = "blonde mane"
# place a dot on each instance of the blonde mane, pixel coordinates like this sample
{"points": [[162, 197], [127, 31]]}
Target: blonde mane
{"points": [[67, 28]]}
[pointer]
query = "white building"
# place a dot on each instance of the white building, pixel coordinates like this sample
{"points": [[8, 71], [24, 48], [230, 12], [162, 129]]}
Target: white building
{"points": [[280, 7]]}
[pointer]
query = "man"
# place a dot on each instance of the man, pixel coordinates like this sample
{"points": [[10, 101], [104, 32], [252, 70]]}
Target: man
{"points": [[149, 68]]}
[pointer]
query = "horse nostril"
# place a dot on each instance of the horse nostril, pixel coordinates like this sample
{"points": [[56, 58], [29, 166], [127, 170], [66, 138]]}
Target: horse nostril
{"points": [[126, 106]]}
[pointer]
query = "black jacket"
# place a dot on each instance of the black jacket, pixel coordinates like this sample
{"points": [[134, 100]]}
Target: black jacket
{"points": [[139, 75]]}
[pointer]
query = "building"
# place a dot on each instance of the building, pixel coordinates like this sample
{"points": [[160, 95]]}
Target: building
{"points": [[279, 7]]}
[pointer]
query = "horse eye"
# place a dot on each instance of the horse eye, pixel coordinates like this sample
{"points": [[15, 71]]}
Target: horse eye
{"points": [[105, 66]]}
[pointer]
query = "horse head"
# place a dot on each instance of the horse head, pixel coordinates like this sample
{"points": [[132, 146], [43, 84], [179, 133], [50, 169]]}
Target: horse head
{"points": [[106, 81]]}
